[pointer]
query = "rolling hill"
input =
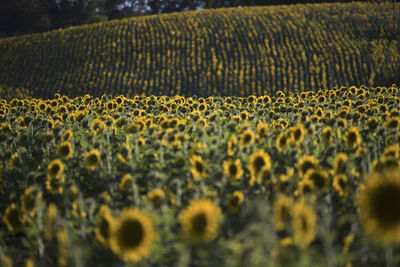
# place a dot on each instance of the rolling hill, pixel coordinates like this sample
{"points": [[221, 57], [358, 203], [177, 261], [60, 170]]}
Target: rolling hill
{"points": [[235, 51]]}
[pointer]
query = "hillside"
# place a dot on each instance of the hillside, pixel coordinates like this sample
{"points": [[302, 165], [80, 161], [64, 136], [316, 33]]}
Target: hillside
{"points": [[236, 51]]}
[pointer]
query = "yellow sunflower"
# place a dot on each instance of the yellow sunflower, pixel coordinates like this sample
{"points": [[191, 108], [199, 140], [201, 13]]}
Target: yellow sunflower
{"points": [[319, 178], [260, 162], [156, 197], [235, 200], [247, 138], [352, 137], [132, 235], [262, 129], [304, 222], [126, 182], [233, 169], [200, 221], [55, 168], [378, 201], [282, 211], [232, 145], [198, 167], [340, 184], [339, 164], [28, 200], [326, 134], [15, 219], [297, 134], [92, 159], [54, 184], [306, 163], [282, 141], [65, 150], [104, 226]]}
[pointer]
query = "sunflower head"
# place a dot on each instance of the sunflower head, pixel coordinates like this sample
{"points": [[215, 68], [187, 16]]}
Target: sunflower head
{"points": [[339, 164], [126, 182], [297, 134], [378, 201], [233, 169], [340, 184], [282, 141], [28, 200], [156, 197], [306, 163], [104, 226], [232, 145], [198, 167], [132, 235], [319, 178], [235, 200], [15, 219], [65, 150], [55, 168], [200, 221], [352, 137], [262, 129], [247, 138], [282, 211], [327, 135], [92, 159], [304, 222], [260, 163]]}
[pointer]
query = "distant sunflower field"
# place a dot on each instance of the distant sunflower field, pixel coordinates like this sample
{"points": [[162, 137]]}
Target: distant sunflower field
{"points": [[300, 179]]}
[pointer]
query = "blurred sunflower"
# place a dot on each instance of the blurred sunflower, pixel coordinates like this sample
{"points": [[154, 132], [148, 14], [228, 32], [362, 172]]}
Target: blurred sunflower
{"points": [[200, 221], [327, 135], [28, 200], [126, 182], [55, 168], [54, 184], [306, 163], [233, 169], [198, 167], [319, 178], [282, 141], [281, 211], [104, 226], [304, 222], [340, 184], [339, 163], [259, 163], [15, 219], [235, 200], [92, 159], [352, 137], [380, 213], [132, 235], [232, 145], [297, 134], [156, 197], [262, 129], [247, 138], [65, 150]]}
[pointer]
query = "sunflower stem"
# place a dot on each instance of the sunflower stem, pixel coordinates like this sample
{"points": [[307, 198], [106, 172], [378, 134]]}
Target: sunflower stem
{"points": [[389, 256]]}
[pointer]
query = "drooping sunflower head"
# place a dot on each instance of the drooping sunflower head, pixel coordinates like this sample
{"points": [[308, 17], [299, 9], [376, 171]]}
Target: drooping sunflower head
{"points": [[15, 219], [378, 201], [393, 123], [304, 222], [54, 184], [282, 141], [28, 200], [282, 211], [233, 169], [339, 164], [200, 221], [198, 167], [55, 168], [232, 145], [352, 137], [65, 150], [327, 135], [92, 159], [247, 138], [67, 135], [133, 235], [235, 200], [297, 134], [105, 225], [126, 182], [319, 178], [262, 129], [306, 163], [156, 197], [340, 184], [259, 163]]}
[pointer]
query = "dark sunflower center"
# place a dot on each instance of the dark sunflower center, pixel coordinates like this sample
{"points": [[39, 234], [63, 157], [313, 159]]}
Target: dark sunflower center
{"points": [[92, 159], [199, 166], [297, 134], [318, 179], [104, 228], [246, 138], [14, 217], [65, 150], [232, 169], [55, 169], [258, 164], [234, 201], [306, 166], [352, 137], [304, 224], [342, 183], [384, 205], [131, 233], [199, 223], [282, 141]]}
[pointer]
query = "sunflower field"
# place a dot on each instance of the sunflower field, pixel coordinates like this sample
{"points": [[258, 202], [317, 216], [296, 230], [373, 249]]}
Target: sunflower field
{"points": [[216, 52], [298, 179]]}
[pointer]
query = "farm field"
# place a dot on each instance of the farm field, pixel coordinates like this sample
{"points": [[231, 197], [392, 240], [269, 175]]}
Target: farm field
{"points": [[216, 52], [287, 179]]}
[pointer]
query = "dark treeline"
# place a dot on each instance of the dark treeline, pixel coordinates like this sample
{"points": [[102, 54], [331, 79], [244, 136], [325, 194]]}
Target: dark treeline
{"points": [[29, 16]]}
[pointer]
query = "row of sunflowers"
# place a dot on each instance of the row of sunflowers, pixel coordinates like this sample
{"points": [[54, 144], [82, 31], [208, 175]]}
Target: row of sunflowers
{"points": [[227, 51], [300, 179]]}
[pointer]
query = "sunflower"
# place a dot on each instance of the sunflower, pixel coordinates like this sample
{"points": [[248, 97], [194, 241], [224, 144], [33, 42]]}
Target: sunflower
{"points": [[297, 134], [54, 184], [233, 169], [247, 138], [352, 137], [282, 141], [378, 201], [104, 226], [306, 163], [282, 211], [28, 200], [259, 163], [132, 235], [65, 150], [339, 164], [232, 145], [305, 186], [304, 222], [198, 167], [200, 221], [156, 197], [262, 129], [340, 184], [15, 219], [319, 178], [73, 193], [393, 122], [327, 135], [92, 159], [55, 168], [126, 182], [235, 200]]}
